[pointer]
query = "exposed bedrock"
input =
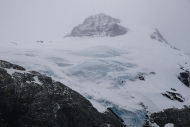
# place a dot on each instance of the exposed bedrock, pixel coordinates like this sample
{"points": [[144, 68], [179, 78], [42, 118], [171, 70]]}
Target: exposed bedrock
{"points": [[30, 99], [179, 117]]}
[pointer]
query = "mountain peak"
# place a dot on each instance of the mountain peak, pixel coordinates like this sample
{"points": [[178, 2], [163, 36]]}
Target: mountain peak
{"points": [[101, 18], [99, 25]]}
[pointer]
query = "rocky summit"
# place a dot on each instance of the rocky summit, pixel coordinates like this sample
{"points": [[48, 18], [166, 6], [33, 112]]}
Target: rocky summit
{"points": [[30, 99], [98, 25]]}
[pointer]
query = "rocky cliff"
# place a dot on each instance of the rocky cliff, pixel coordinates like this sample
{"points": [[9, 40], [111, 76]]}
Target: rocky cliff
{"points": [[30, 99]]}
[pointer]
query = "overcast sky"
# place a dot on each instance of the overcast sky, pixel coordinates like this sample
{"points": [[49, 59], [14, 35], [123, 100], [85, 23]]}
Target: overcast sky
{"points": [[32, 20]]}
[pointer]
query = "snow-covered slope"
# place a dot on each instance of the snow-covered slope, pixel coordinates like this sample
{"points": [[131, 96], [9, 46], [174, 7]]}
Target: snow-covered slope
{"points": [[107, 71]]}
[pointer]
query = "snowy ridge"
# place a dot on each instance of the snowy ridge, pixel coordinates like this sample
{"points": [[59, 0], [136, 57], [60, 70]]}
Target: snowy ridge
{"points": [[157, 36], [101, 19], [106, 70]]}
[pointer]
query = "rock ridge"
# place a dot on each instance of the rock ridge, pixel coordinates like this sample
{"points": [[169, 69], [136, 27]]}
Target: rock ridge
{"points": [[30, 99]]}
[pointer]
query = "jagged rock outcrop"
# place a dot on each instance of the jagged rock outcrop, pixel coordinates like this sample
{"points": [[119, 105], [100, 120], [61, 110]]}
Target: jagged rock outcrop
{"points": [[30, 99], [175, 116], [156, 35], [98, 25], [5, 64], [174, 96], [184, 77]]}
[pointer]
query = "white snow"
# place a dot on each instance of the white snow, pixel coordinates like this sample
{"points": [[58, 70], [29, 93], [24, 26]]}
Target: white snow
{"points": [[105, 70], [58, 106], [169, 125], [11, 71], [37, 80], [98, 106]]}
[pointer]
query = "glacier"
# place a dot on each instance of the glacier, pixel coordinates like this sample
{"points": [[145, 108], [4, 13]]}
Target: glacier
{"points": [[106, 70]]}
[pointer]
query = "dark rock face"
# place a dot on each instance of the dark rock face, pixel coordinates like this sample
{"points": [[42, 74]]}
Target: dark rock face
{"points": [[173, 96], [29, 99], [98, 25], [184, 77], [141, 77], [114, 110], [179, 117]]}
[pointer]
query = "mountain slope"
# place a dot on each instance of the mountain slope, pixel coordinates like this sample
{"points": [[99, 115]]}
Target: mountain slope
{"points": [[28, 98], [132, 74]]}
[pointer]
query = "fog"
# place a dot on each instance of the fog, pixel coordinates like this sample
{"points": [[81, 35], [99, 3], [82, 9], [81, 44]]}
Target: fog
{"points": [[32, 20]]}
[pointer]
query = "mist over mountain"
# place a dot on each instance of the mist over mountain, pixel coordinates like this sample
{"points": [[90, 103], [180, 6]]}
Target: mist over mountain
{"points": [[118, 65], [49, 20], [98, 25], [137, 77]]}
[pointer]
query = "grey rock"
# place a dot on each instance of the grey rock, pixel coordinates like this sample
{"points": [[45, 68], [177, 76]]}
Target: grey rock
{"points": [[156, 35], [8, 65], [184, 77], [173, 96], [30, 99], [153, 73], [173, 89], [98, 25], [141, 77], [179, 117]]}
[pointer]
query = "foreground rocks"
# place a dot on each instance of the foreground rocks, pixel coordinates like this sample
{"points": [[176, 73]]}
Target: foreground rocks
{"points": [[30, 99], [175, 116], [179, 117], [98, 25]]}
